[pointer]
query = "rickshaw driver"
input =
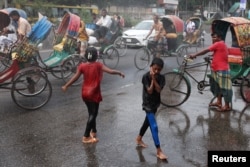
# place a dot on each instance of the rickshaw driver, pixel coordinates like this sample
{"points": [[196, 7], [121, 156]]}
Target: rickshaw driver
{"points": [[220, 80], [160, 33]]}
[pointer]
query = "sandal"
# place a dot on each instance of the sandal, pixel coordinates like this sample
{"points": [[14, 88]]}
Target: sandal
{"points": [[216, 104], [91, 140]]}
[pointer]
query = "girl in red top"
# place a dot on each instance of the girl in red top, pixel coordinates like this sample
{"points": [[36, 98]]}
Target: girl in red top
{"points": [[220, 81], [91, 89]]}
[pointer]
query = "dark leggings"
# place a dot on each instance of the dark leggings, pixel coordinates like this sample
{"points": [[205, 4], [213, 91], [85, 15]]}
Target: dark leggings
{"points": [[93, 111], [151, 122]]}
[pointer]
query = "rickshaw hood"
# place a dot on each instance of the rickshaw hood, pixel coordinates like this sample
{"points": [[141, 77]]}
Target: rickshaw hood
{"points": [[236, 20], [238, 25], [5, 19], [177, 22]]}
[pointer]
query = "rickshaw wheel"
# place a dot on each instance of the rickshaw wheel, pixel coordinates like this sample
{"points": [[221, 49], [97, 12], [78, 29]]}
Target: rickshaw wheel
{"points": [[56, 71], [68, 68], [121, 46], [111, 57], [2, 66], [5, 62], [181, 52], [142, 58], [31, 88], [77, 59], [176, 91], [245, 88]]}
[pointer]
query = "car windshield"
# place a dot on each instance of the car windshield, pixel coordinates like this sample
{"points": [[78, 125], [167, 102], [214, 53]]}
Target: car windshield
{"points": [[143, 25]]}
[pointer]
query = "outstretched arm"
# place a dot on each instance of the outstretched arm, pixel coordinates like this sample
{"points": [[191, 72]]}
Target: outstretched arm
{"points": [[71, 81], [199, 53], [112, 71]]}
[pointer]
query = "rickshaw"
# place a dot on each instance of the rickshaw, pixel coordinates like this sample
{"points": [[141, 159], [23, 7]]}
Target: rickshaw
{"points": [[7, 40], [197, 38], [174, 28], [239, 52], [178, 89], [29, 84], [60, 62], [107, 51]]}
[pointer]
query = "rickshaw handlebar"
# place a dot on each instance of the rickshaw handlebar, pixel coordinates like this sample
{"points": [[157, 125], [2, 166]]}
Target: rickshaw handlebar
{"points": [[206, 58]]}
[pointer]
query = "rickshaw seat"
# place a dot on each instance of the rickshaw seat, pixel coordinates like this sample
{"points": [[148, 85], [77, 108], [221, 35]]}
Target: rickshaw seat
{"points": [[56, 58], [59, 47], [235, 55]]}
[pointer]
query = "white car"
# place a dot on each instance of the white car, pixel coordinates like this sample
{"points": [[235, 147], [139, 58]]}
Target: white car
{"points": [[136, 35]]}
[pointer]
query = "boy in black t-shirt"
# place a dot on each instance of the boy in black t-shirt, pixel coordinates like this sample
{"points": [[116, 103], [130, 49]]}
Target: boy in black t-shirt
{"points": [[153, 82]]}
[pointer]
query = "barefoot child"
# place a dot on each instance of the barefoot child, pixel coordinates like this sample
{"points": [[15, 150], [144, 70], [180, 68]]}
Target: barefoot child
{"points": [[91, 89], [153, 82]]}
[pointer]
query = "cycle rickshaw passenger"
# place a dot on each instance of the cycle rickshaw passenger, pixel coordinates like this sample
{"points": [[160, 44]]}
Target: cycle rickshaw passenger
{"points": [[110, 36], [193, 33], [8, 32], [103, 25], [5, 21]]}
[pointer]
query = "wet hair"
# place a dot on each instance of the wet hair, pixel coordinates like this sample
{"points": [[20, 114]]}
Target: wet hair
{"points": [[157, 61], [14, 13], [91, 54]]}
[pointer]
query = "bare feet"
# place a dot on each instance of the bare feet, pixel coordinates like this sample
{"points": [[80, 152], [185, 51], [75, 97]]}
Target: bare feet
{"points": [[89, 140], [161, 155], [225, 108], [140, 143], [216, 104], [93, 134]]}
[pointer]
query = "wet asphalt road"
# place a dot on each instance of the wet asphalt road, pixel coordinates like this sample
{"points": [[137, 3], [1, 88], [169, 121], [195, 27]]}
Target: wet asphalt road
{"points": [[51, 136]]}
